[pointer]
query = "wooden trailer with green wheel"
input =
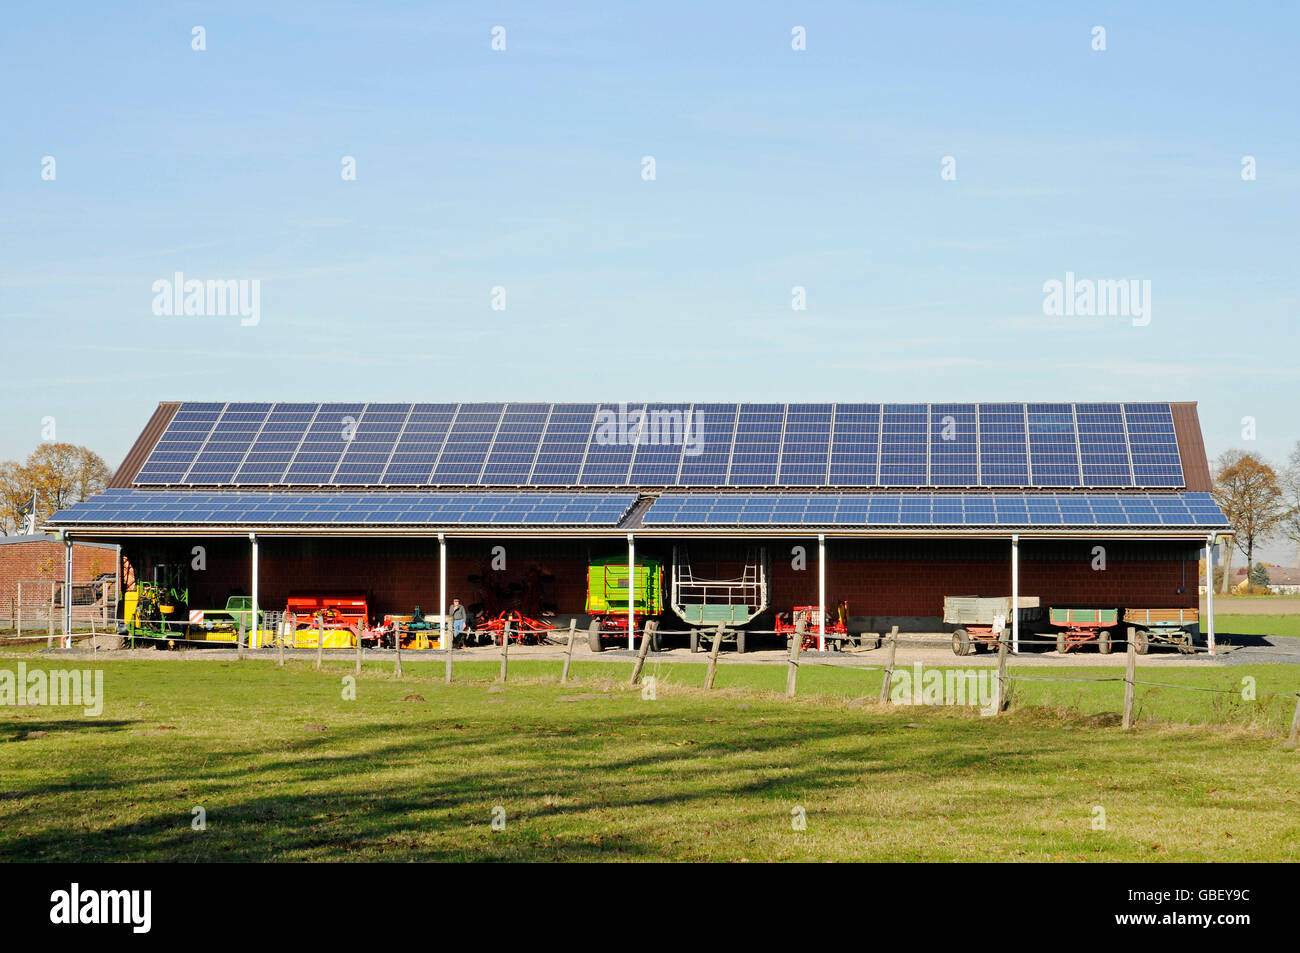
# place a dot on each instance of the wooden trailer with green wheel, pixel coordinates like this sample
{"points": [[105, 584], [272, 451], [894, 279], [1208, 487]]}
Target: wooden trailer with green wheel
{"points": [[1076, 627], [1174, 627]]}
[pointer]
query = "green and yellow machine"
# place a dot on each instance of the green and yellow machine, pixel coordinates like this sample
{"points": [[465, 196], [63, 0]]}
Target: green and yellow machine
{"points": [[608, 593], [158, 609]]}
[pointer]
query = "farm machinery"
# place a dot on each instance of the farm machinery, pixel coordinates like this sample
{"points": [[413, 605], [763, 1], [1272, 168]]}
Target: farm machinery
{"points": [[159, 609], [522, 628], [333, 619], [221, 625], [1162, 627], [981, 620], [837, 631], [704, 604], [415, 632], [609, 595], [1077, 627]]}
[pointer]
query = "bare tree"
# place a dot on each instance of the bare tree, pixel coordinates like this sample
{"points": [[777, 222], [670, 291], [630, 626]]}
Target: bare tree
{"points": [[1247, 490]]}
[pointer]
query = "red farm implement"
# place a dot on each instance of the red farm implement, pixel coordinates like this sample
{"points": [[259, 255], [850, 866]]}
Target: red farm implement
{"points": [[837, 632], [522, 628]]}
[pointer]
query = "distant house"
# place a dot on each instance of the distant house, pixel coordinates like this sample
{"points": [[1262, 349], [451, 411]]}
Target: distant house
{"points": [[1282, 581]]}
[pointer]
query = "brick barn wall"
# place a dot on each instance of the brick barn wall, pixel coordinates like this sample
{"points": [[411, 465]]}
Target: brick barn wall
{"points": [[43, 560], [897, 578]]}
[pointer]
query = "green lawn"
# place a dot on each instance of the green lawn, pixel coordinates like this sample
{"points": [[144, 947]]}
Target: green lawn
{"points": [[1257, 624], [287, 770]]}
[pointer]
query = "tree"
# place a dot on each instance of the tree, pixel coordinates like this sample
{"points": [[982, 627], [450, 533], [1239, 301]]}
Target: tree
{"points": [[15, 493], [1259, 575], [1247, 490], [1290, 481], [59, 473]]}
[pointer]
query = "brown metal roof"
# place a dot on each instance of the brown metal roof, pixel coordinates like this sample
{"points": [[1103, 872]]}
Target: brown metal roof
{"points": [[1191, 445], [144, 444]]}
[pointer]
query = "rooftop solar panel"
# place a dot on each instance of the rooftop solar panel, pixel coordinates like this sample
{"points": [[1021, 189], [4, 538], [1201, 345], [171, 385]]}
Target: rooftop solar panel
{"points": [[287, 508], [975, 509], [1044, 445]]}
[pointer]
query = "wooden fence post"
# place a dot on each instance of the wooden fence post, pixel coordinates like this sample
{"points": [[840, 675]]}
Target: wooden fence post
{"points": [[713, 656], [361, 649], [49, 621], [320, 640], [239, 639], [889, 666], [647, 636], [18, 625], [285, 627], [1128, 680], [397, 645], [568, 652], [1294, 738], [505, 648], [796, 646], [1002, 672]]}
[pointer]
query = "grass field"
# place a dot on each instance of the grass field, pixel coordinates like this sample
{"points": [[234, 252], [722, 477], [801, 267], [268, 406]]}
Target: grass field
{"points": [[1257, 624], [413, 769]]}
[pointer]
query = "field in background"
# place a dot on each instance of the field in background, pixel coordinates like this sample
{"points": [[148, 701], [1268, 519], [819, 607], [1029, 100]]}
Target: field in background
{"points": [[285, 769]]}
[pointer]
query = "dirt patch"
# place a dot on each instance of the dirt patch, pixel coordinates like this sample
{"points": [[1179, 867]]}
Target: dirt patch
{"points": [[420, 698]]}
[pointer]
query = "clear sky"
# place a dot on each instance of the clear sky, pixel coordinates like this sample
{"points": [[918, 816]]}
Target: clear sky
{"points": [[523, 168]]}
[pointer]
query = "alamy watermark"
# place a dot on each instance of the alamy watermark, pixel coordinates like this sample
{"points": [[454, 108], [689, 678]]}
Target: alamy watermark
{"points": [[1102, 297], [638, 427], [77, 688], [212, 298], [976, 687]]}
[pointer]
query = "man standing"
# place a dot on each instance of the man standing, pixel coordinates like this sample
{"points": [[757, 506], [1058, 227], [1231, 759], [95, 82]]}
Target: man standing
{"points": [[457, 622]]}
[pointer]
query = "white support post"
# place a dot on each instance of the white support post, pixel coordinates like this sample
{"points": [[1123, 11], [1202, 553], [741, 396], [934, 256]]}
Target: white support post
{"points": [[821, 592], [1209, 591], [67, 592], [252, 619], [444, 627], [117, 584], [1015, 594], [631, 589]]}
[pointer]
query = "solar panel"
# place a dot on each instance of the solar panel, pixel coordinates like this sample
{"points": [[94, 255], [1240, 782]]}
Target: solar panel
{"points": [[284, 508], [1098, 445], [894, 508]]}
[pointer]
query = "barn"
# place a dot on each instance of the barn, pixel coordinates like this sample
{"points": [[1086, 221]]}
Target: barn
{"points": [[885, 507]]}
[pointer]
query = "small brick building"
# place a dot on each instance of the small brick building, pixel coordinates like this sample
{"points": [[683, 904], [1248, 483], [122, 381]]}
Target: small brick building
{"points": [[38, 562], [1106, 504]]}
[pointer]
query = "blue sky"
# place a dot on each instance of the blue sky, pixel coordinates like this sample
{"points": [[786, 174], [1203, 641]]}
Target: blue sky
{"points": [[522, 169]]}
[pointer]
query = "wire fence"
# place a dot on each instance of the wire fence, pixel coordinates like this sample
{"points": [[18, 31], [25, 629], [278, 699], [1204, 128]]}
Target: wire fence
{"points": [[279, 632]]}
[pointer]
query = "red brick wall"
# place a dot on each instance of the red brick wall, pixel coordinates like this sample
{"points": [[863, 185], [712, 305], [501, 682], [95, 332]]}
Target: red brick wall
{"points": [[43, 560], [904, 578]]}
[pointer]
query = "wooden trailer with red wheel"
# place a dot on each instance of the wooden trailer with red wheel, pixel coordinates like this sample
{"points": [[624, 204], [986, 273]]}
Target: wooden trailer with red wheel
{"points": [[980, 620]]}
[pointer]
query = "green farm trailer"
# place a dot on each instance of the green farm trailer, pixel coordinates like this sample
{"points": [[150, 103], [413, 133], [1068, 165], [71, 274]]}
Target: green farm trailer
{"points": [[607, 596]]}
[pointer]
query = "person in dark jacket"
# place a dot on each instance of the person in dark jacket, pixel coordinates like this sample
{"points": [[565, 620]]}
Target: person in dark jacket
{"points": [[457, 614]]}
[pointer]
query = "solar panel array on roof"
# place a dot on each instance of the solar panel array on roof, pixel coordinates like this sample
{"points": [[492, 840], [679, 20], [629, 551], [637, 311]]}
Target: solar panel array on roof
{"points": [[893, 508], [659, 444], [286, 508]]}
